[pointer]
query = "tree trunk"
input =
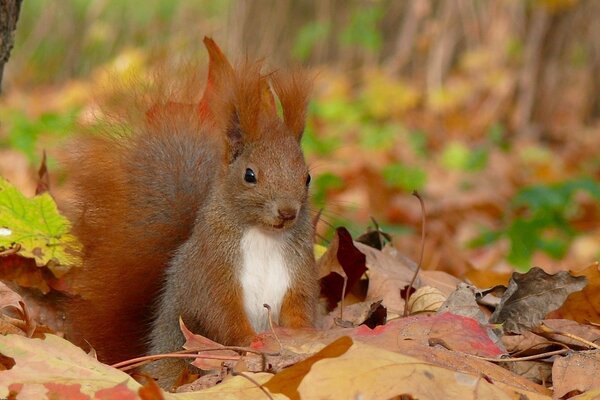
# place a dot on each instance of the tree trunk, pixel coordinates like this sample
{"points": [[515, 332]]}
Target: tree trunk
{"points": [[9, 14]]}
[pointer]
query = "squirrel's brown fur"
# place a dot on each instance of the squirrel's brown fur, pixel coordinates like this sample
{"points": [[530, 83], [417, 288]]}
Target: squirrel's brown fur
{"points": [[170, 192]]}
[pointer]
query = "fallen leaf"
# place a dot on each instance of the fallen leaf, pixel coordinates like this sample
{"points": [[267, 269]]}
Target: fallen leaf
{"points": [[531, 296], [37, 226], [576, 373], [369, 372], [43, 183], [387, 276], [525, 343], [462, 302], [341, 261], [52, 364], [371, 314], [584, 306], [8, 297], [209, 362], [287, 381], [569, 327], [425, 299], [536, 371], [24, 272]]}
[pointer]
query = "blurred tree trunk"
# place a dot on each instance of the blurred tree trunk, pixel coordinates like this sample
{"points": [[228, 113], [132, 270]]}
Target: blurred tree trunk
{"points": [[9, 14]]}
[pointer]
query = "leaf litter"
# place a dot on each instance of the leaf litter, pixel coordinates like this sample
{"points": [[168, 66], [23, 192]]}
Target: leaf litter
{"points": [[450, 347]]}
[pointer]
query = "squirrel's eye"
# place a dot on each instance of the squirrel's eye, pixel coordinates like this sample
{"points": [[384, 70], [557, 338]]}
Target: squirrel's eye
{"points": [[308, 178], [249, 176]]}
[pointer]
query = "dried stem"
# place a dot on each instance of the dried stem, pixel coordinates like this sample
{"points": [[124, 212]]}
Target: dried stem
{"points": [[10, 251], [269, 313], [414, 278], [258, 385], [128, 364], [526, 358], [547, 329]]}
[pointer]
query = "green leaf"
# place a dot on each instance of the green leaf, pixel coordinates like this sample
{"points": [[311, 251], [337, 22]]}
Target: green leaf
{"points": [[308, 37], [36, 225], [324, 183], [404, 177]]}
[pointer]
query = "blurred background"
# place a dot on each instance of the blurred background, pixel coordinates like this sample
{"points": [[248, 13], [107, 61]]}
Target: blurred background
{"points": [[489, 108]]}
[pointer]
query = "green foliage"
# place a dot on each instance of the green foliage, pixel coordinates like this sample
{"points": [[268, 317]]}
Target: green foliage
{"points": [[378, 136], [418, 143], [363, 30], [36, 225], [540, 220], [404, 177], [322, 184], [24, 132], [308, 37], [458, 156]]}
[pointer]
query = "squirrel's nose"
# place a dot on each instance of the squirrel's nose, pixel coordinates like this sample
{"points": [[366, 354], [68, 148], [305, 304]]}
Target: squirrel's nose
{"points": [[287, 214]]}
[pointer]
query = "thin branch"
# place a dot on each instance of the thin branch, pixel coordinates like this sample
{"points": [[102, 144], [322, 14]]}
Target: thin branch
{"points": [[258, 385], [526, 358], [190, 353], [547, 329], [414, 278], [269, 313], [10, 251]]}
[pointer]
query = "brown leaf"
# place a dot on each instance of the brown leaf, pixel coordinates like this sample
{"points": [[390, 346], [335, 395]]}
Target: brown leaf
{"points": [[43, 183], [584, 306], [287, 381], [390, 272], [425, 299], [531, 296], [576, 373], [462, 302], [370, 372], [209, 362], [341, 261], [525, 343], [566, 326], [535, 371], [24, 272]]}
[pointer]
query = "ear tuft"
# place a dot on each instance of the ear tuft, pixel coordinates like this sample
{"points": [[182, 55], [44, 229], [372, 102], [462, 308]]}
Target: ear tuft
{"points": [[293, 89], [220, 73]]}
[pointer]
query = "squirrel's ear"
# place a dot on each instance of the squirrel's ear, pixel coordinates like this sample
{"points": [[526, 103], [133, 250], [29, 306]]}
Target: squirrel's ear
{"points": [[220, 72], [234, 136], [293, 90]]}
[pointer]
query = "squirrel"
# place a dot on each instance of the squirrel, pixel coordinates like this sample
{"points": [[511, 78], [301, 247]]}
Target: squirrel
{"points": [[200, 212]]}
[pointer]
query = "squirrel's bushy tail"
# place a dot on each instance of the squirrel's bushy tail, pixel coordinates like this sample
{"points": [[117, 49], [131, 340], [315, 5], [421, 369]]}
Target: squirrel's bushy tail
{"points": [[137, 192]]}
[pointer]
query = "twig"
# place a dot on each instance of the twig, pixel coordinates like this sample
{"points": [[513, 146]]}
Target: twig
{"points": [[533, 346], [268, 307], [547, 329], [189, 354], [345, 277], [125, 365], [10, 251], [258, 385], [414, 278], [526, 358]]}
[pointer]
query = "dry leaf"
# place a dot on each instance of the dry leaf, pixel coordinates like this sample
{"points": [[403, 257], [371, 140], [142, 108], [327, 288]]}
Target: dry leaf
{"points": [[587, 332], [531, 296], [576, 373], [207, 363], [462, 302], [584, 306], [425, 299], [369, 372], [341, 261]]}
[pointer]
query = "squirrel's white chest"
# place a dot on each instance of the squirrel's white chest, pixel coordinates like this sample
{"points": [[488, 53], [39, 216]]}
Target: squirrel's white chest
{"points": [[265, 277]]}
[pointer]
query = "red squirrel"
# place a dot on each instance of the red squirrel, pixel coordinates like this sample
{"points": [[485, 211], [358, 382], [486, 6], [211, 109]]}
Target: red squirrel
{"points": [[201, 212]]}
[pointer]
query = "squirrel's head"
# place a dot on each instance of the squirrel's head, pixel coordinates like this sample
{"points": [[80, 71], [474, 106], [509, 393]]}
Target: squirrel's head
{"points": [[266, 176]]}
